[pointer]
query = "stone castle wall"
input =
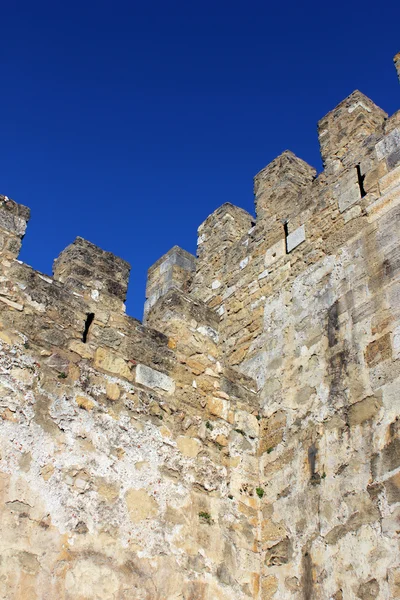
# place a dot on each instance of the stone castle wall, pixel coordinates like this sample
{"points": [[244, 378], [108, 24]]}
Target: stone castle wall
{"points": [[244, 441]]}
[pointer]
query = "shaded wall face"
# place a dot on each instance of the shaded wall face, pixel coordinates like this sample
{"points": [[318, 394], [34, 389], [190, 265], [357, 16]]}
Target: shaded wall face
{"points": [[328, 459], [315, 323]]}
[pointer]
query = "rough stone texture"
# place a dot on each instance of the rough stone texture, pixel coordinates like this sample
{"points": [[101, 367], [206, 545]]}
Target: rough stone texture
{"points": [[174, 270], [245, 442], [295, 238]]}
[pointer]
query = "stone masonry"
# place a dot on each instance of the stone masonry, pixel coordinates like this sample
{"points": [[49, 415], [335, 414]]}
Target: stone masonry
{"points": [[243, 442]]}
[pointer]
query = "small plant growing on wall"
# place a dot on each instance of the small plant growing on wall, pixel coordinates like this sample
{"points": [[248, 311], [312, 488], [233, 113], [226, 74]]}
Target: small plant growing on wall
{"points": [[260, 492], [205, 517]]}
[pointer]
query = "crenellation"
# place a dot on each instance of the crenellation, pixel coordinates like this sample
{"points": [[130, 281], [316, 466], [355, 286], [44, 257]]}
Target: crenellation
{"points": [[241, 443], [174, 270], [343, 131], [219, 232], [280, 189], [89, 270]]}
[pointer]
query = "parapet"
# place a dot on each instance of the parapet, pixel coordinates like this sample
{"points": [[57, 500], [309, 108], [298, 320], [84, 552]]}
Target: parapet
{"points": [[174, 270], [343, 131], [13, 221], [278, 187], [91, 271]]}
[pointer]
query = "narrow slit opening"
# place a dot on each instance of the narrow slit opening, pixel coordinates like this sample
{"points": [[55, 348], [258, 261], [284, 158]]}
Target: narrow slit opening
{"points": [[286, 230], [360, 178], [88, 322]]}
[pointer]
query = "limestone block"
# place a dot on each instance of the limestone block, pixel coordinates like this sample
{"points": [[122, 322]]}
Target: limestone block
{"points": [[387, 460], [218, 407], [112, 391], [154, 379], [80, 348], [12, 223], [85, 403], [274, 253], [279, 554], [378, 350], [295, 238], [272, 431], [140, 505], [189, 447], [392, 486], [110, 361], [269, 586], [347, 191], [390, 181], [364, 410], [247, 423], [389, 144]]}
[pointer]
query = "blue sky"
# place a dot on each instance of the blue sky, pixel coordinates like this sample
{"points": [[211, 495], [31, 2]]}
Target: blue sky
{"points": [[129, 123]]}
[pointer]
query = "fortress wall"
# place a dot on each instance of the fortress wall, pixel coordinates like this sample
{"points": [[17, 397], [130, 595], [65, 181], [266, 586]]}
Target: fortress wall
{"points": [[122, 457], [243, 442]]}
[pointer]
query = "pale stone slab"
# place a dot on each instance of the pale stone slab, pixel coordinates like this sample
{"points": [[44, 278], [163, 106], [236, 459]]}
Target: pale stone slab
{"points": [[244, 262], [389, 144], [15, 305], [295, 238], [154, 379]]}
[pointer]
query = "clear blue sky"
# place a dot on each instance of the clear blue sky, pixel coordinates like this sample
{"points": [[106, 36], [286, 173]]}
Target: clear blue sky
{"points": [[129, 123]]}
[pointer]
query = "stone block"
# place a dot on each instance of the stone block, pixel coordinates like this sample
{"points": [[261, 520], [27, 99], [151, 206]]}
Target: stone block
{"points": [[272, 430], [12, 223], [189, 447], [378, 350], [389, 144], [295, 238], [218, 407], [274, 253], [347, 191], [279, 554], [154, 379], [364, 410], [140, 505], [392, 486], [387, 460], [111, 362], [390, 181]]}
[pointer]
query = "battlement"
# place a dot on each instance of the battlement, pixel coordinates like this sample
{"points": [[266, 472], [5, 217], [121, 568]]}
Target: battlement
{"points": [[281, 186], [85, 268], [343, 131], [353, 142], [243, 441], [174, 270]]}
